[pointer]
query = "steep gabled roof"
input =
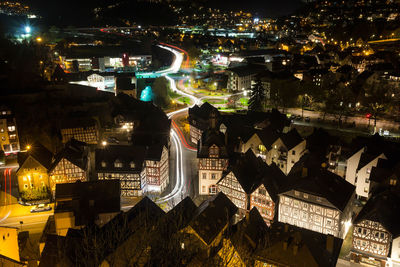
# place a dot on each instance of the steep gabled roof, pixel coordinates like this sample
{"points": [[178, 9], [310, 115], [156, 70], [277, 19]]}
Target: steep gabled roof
{"points": [[293, 246], [323, 183], [212, 216], [39, 153], [124, 154], [74, 152], [383, 207], [202, 111], [274, 180], [209, 138], [248, 171], [291, 139]]}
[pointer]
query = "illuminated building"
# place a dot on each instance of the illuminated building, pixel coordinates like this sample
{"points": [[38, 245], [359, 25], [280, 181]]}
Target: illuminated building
{"points": [[8, 132], [239, 78], [9, 247], [70, 164], [311, 201], [376, 232], [33, 168], [140, 169], [199, 120], [82, 129], [250, 183], [286, 150], [212, 157]]}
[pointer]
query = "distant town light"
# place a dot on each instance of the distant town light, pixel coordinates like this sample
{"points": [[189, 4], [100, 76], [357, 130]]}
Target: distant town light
{"points": [[28, 29], [104, 143], [38, 39]]}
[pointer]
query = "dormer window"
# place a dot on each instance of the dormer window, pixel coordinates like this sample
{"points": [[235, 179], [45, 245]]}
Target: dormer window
{"points": [[103, 164], [214, 151], [132, 164], [118, 164]]}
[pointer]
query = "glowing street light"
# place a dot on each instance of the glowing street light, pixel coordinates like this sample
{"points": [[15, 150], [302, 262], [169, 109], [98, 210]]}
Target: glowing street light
{"points": [[104, 143], [38, 39], [28, 147], [28, 29]]}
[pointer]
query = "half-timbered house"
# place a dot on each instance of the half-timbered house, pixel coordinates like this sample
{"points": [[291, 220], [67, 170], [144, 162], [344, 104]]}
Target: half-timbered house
{"points": [[70, 164], [312, 201], [260, 142], [83, 129], [376, 232], [198, 120], [125, 163], [212, 157], [156, 177], [250, 182]]}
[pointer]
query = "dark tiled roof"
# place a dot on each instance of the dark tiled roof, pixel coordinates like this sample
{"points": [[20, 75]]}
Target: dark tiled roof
{"points": [[124, 154], [366, 158], [178, 218], [248, 171], [212, 137], [323, 183], [142, 217], [88, 199], [212, 216], [202, 112], [74, 151], [311, 247], [383, 207], [39, 153], [291, 139], [51, 253], [268, 136], [274, 181]]}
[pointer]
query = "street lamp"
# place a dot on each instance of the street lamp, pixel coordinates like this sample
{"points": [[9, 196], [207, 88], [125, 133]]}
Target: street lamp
{"points": [[28, 29], [104, 143]]}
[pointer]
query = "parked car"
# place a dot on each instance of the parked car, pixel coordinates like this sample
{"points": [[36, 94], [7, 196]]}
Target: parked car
{"points": [[113, 139], [307, 119], [40, 208], [298, 117]]}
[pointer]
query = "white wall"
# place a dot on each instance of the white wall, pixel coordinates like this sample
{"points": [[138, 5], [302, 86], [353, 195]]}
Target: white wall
{"points": [[363, 174], [352, 164]]}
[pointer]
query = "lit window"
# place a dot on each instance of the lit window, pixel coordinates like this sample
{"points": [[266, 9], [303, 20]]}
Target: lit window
{"points": [[305, 195], [11, 128], [132, 164], [203, 188], [212, 189], [103, 164], [204, 176], [297, 193]]}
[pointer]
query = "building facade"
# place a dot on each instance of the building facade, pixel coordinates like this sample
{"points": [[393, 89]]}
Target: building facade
{"points": [[311, 202], [84, 130], [9, 141], [156, 176]]}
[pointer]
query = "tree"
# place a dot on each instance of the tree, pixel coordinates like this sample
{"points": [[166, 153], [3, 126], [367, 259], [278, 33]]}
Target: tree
{"points": [[257, 97], [284, 93], [160, 92], [338, 102], [376, 99]]}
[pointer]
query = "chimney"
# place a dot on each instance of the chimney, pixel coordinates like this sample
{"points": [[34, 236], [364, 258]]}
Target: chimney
{"points": [[329, 243], [304, 172]]}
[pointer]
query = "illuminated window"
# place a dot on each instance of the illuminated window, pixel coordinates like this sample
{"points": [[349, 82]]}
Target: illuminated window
{"points": [[103, 164], [262, 148], [204, 176], [296, 193], [132, 164], [212, 189], [305, 196], [11, 128], [24, 179]]}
